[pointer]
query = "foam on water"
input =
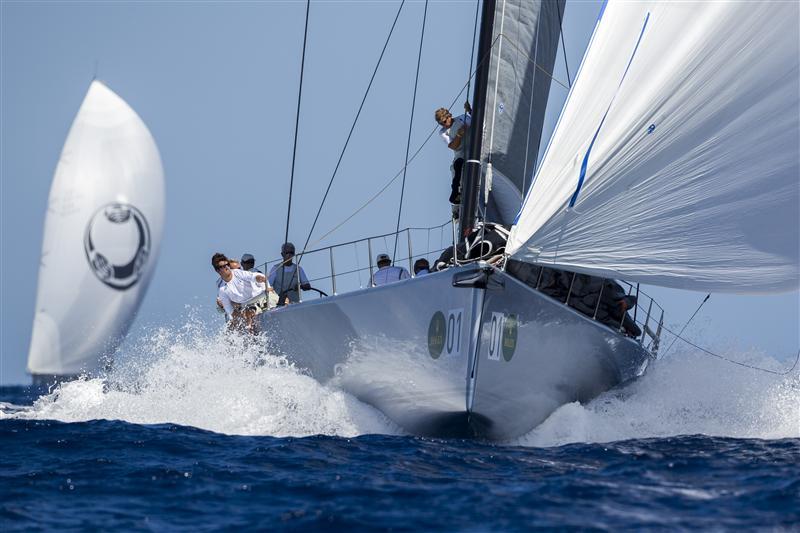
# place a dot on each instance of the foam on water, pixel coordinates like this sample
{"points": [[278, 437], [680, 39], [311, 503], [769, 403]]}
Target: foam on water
{"points": [[211, 381], [224, 384], [685, 393]]}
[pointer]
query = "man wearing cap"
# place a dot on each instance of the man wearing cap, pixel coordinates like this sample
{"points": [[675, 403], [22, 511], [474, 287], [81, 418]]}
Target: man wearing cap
{"points": [[386, 272], [248, 263], [284, 277]]}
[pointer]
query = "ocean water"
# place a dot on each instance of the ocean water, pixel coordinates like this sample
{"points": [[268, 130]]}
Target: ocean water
{"points": [[200, 432]]}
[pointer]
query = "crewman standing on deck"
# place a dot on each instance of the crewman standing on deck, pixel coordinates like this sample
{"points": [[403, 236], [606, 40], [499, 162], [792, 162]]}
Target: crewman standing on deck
{"points": [[286, 276]]}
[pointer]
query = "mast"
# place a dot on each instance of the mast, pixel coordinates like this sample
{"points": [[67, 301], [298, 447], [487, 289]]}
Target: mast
{"points": [[472, 166]]}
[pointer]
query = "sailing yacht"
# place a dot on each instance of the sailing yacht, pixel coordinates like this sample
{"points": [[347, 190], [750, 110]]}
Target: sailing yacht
{"points": [[674, 163], [101, 239]]}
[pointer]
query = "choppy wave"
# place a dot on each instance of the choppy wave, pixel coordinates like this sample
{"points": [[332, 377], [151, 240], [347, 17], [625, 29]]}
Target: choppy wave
{"points": [[227, 385]]}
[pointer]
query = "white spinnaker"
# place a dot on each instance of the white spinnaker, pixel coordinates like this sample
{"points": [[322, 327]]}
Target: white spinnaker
{"points": [[690, 115], [101, 237]]}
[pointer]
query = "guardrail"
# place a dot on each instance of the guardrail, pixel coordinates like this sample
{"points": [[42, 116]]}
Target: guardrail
{"points": [[350, 266], [654, 337], [653, 316]]}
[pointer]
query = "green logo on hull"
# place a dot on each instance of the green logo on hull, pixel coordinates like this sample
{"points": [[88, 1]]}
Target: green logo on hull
{"points": [[436, 334], [509, 337]]}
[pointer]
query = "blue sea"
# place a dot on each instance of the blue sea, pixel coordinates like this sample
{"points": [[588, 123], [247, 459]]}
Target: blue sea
{"points": [[195, 433]]}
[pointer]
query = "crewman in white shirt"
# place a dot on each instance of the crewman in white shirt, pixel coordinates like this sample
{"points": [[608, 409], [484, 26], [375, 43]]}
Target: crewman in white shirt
{"points": [[239, 287], [454, 130], [387, 273]]}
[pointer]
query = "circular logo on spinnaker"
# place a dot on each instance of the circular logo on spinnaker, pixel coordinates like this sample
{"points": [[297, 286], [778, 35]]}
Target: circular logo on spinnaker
{"points": [[117, 245]]}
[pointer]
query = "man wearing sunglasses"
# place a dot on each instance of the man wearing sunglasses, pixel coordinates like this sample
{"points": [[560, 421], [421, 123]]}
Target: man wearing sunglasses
{"points": [[286, 276], [454, 131], [239, 287]]}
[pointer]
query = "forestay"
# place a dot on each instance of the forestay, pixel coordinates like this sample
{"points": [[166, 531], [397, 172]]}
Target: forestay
{"points": [[101, 239], [526, 34], [676, 158]]}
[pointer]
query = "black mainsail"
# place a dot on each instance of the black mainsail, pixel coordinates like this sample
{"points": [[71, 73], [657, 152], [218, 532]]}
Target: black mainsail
{"points": [[511, 102]]}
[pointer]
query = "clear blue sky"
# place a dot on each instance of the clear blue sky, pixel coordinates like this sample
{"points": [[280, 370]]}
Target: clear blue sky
{"points": [[216, 83]]}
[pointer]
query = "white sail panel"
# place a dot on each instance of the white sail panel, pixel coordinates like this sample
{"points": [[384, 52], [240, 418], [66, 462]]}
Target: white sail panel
{"points": [[101, 237], [684, 128]]}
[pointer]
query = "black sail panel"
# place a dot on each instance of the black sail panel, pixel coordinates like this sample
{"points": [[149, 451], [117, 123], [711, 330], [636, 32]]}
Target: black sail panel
{"points": [[526, 35]]}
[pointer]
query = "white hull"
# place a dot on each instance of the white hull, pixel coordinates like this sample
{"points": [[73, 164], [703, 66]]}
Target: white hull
{"points": [[414, 350]]}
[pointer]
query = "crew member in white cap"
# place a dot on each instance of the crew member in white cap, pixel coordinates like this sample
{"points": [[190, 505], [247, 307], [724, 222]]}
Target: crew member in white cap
{"points": [[386, 272]]}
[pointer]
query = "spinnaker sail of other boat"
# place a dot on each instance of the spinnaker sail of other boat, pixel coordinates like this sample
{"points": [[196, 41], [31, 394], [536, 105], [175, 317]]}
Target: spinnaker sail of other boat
{"points": [[101, 239]]}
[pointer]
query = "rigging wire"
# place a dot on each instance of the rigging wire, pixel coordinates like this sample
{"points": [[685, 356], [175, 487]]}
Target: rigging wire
{"points": [[708, 352], [512, 42], [687, 323], [563, 46], [353, 127], [752, 367], [411, 159], [410, 124], [433, 131], [297, 122]]}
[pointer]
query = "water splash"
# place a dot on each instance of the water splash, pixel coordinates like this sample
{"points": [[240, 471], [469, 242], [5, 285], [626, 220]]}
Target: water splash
{"points": [[217, 382], [684, 394], [229, 385]]}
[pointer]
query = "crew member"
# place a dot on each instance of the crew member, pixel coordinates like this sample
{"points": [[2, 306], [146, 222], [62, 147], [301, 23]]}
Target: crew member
{"points": [[387, 273], [284, 277], [454, 130], [421, 267], [248, 263], [239, 287]]}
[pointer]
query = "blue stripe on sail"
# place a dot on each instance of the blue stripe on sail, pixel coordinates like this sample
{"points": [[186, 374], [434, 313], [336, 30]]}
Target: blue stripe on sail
{"points": [[561, 114], [602, 10], [596, 133]]}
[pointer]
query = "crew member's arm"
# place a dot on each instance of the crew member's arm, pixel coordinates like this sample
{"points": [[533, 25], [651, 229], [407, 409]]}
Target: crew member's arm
{"points": [[263, 279], [455, 144], [304, 283], [273, 274]]}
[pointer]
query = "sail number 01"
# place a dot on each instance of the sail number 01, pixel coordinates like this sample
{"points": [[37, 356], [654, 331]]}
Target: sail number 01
{"points": [[444, 334], [502, 336], [453, 343]]}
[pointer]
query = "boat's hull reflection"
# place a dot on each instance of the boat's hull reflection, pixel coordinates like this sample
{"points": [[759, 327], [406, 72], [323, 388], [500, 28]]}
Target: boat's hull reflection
{"points": [[414, 350]]}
